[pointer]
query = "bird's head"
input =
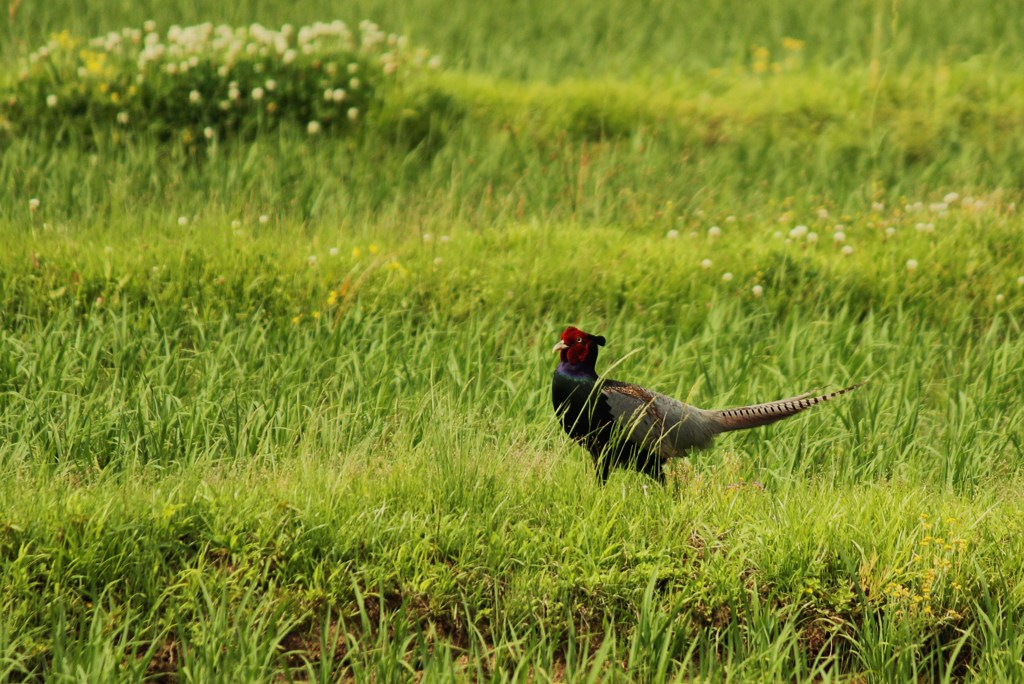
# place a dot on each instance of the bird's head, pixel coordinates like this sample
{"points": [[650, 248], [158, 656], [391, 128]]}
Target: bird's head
{"points": [[577, 347]]}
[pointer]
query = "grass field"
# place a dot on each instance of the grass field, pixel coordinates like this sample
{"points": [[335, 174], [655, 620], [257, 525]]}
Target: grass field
{"points": [[275, 380]]}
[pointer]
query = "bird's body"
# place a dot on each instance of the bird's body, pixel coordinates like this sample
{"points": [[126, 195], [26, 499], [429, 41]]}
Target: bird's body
{"points": [[625, 425]]}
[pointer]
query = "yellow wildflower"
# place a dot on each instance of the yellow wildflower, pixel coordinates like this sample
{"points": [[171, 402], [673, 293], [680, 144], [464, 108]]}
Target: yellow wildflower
{"points": [[355, 252], [793, 44], [374, 248]]}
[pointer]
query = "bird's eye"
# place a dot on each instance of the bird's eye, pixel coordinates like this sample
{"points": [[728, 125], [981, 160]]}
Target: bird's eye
{"points": [[579, 340]]}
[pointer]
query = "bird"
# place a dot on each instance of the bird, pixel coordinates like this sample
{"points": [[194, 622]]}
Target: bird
{"points": [[624, 425]]}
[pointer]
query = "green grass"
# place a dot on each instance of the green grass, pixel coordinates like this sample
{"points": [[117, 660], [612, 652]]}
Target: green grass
{"points": [[277, 407]]}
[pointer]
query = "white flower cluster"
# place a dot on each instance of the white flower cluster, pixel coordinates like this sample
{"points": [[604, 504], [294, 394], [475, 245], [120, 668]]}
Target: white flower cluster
{"points": [[221, 68], [185, 46]]}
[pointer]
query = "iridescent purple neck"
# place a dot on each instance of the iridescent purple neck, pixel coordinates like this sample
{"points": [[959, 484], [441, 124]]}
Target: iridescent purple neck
{"points": [[584, 370]]}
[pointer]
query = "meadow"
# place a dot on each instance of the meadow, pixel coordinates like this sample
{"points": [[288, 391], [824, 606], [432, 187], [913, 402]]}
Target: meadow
{"points": [[276, 321]]}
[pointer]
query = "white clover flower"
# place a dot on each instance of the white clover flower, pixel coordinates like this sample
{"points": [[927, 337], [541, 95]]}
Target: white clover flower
{"points": [[434, 63], [224, 105], [257, 93], [182, 220], [353, 113], [353, 83], [938, 207], [289, 56], [877, 206], [730, 219], [847, 250], [171, 68], [149, 26], [777, 234], [1000, 298], [353, 68], [757, 290], [812, 238], [427, 237], [714, 231], [313, 127], [911, 264], [208, 133], [338, 94], [328, 94], [798, 232], [838, 227], [390, 68], [727, 277], [51, 101], [223, 70], [311, 259], [122, 118], [234, 93], [236, 223], [445, 238], [33, 204], [270, 85], [264, 219], [333, 251], [1020, 280], [951, 197], [823, 213], [438, 261], [839, 236], [672, 234], [705, 264], [890, 231], [195, 96]]}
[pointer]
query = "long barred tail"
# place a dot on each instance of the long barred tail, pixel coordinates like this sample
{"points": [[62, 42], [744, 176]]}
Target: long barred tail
{"points": [[763, 414]]}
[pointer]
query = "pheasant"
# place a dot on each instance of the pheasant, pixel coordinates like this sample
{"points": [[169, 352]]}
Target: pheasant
{"points": [[625, 425]]}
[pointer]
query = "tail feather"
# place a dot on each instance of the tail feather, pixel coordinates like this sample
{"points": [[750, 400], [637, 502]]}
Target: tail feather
{"points": [[763, 414]]}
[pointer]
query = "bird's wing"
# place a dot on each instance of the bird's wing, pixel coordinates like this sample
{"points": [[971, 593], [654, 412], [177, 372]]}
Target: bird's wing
{"points": [[655, 422]]}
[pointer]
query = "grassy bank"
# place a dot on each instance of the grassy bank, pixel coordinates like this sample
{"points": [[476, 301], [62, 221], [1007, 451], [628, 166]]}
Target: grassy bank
{"points": [[274, 402]]}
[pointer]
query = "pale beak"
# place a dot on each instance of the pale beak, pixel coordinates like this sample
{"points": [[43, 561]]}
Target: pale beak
{"points": [[560, 346]]}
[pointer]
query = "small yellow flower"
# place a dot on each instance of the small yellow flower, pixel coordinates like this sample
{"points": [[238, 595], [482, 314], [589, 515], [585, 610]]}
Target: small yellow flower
{"points": [[332, 298], [315, 315], [355, 252], [374, 248], [297, 319], [792, 44]]}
